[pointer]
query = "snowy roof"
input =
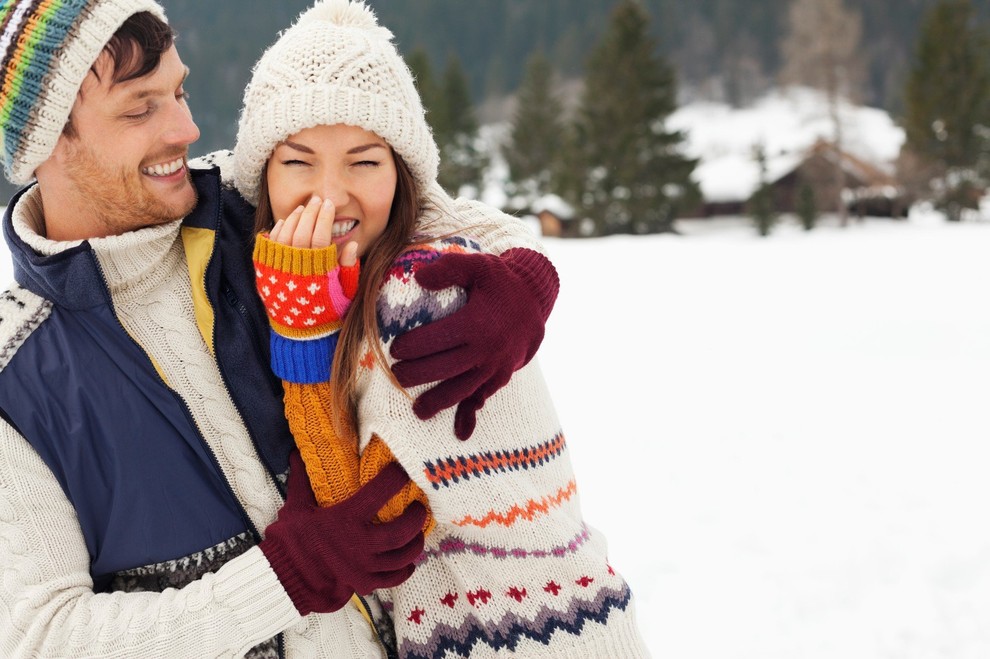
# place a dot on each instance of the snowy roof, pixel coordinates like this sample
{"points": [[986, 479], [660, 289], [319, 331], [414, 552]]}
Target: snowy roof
{"points": [[786, 124]]}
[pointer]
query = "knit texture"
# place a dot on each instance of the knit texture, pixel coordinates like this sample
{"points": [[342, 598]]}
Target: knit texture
{"points": [[48, 48], [511, 567], [335, 65], [306, 294], [224, 614]]}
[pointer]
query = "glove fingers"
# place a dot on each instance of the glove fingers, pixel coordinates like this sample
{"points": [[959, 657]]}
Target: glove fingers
{"points": [[299, 491], [465, 420], [432, 368], [466, 415], [395, 543], [449, 270], [374, 494], [385, 580], [438, 336], [447, 394]]}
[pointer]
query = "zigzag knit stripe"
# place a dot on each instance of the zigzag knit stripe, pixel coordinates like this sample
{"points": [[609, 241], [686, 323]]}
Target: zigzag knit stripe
{"points": [[507, 634], [453, 546], [451, 470], [527, 512], [36, 40], [396, 317]]}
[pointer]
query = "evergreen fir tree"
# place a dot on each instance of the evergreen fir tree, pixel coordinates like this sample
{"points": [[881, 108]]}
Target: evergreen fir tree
{"points": [[947, 105], [630, 176], [761, 207], [461, 162], [537, 133], [429, 92], [807, 209]]}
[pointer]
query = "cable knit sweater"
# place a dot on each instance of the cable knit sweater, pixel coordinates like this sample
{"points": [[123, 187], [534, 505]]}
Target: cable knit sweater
{"points": [[511, 567], [48, 606]]}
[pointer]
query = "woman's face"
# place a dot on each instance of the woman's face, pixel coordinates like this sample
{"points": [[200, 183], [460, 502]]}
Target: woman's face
{"points": [[353, 168]]}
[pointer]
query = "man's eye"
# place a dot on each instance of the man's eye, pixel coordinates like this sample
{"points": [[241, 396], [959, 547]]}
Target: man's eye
{"points": [[140, 115], [182, 95]]}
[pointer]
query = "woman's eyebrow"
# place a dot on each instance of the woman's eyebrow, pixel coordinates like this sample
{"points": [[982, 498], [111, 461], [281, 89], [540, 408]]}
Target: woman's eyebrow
{"points": [[365, 147], [298, 147]]}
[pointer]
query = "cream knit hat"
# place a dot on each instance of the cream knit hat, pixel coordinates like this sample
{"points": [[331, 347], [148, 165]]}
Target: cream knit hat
{"points": [[47, 48], [335, 65]]}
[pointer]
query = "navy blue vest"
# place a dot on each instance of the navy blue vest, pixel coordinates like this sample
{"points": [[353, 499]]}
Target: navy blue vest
{"points": [[145, 485]]}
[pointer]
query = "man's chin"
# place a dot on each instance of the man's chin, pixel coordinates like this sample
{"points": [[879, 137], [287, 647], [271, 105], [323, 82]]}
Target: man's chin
{"points": [[179, 205]]}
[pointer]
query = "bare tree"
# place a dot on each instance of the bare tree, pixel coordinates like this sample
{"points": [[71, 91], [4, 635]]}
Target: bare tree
{"points": [[822, 50]]}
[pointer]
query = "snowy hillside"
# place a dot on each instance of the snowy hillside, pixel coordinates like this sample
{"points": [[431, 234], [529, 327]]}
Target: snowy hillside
{"points": [[785, 123]]}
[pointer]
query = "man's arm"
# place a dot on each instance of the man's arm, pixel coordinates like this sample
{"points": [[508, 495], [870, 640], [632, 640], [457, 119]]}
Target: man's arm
{"points": [[511, 289], [47, 603]]}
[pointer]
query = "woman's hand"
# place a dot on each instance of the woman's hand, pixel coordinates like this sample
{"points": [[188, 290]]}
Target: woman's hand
{"points": [[310, 226]]}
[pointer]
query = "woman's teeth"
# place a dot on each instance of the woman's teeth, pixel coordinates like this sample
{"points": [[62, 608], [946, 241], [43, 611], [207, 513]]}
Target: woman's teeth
{"points": [[166, 169], [340, 228]]}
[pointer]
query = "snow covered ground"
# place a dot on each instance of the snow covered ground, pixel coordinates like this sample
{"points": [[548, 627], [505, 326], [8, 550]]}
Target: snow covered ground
{"points": [[786, 440]]}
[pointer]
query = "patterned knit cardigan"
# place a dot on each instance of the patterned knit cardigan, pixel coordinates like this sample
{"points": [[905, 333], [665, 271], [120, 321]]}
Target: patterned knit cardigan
{"points": [[510, 565]]}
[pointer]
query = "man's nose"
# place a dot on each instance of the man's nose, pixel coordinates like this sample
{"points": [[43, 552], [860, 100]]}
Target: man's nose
{"points": [[182, 130]]}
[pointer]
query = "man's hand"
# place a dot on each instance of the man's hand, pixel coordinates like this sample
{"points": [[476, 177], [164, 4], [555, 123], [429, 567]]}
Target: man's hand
{"points": [[324, 555], [475, 350]]}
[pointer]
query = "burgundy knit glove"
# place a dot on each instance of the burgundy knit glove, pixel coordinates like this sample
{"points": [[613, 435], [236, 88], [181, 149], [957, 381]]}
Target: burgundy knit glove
{"points": [[476, 349], [323, 556]]}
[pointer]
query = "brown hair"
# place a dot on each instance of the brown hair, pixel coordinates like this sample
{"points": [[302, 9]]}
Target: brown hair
{"points": [[361, 322], [135, 50]]}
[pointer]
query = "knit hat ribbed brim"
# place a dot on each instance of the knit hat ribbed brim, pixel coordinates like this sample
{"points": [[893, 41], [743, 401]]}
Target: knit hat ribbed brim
{"points": [[48, 47], [335, 65]]}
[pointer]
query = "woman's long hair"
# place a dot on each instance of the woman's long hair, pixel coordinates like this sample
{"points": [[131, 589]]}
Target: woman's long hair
{"points": [[361, 322]]}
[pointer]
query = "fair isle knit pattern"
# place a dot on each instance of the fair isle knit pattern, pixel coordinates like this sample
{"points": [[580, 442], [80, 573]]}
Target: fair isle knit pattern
{"points": [[47, 49], [512, 568], [306, 294]]}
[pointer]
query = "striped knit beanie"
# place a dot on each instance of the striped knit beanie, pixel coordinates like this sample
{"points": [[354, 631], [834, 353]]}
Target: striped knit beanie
{"points": [[335, 65], [48, 47]]}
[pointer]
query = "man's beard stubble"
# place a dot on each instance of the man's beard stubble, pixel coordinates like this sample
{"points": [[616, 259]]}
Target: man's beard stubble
{"points": [[119, 200]]}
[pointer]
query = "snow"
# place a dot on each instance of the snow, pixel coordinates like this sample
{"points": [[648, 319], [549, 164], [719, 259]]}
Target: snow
{"points": [[785, 440], [785, 123]]}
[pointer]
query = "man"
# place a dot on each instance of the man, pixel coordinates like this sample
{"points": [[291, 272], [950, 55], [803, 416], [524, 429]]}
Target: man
{"points": [[143, 450]]}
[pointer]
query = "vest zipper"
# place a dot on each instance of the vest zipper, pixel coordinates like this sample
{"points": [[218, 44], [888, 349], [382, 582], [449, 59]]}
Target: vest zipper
{"points": [[189, 415]]}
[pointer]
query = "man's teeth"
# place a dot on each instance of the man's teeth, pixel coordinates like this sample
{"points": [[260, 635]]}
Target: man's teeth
{"points": [[340, 228], [166, 169]]}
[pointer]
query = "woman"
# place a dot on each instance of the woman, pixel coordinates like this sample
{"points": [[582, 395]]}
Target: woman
{"points": [[334, 140]]}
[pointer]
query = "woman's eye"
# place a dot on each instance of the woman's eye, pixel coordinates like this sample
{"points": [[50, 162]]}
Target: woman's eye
{"points": [[294, 162], [368, 163]]}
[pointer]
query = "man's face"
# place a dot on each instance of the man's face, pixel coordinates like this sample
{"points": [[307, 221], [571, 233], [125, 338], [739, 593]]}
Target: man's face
{"points": [[125, 167]]}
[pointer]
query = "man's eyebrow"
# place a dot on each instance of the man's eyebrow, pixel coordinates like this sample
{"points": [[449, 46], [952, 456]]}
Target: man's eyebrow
{"points": [[151, 91]]}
